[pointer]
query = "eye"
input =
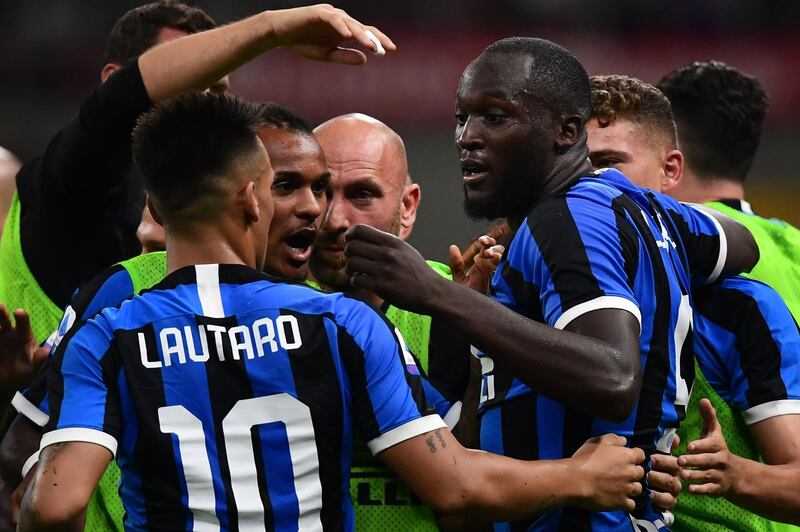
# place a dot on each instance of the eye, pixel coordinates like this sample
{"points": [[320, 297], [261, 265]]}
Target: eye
{"points": [[283, 186], [319, 187], [362, 194], [495, 118], [608, 162], [461, 118]]}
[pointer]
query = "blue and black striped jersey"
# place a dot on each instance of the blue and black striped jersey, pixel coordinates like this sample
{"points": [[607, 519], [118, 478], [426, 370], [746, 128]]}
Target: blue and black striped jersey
{"points": [[604, 244], [230, 400], [108, 289], [748, 347]]}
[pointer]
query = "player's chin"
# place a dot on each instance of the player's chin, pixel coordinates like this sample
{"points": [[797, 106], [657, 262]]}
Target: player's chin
{"points": [[288, 269]]}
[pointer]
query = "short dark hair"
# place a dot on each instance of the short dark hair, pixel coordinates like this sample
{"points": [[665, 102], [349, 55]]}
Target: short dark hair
{"points": [[719, 111], [189, 146], [137, 30], [282, 117], [628, 98], [557, 77]]}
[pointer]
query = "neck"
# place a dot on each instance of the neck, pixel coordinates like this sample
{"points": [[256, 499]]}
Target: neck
{"points": [[704, 190], [568, 168], [211, 245]]}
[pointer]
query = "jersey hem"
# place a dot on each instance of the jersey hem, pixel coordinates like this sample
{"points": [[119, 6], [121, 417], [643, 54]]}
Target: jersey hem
{"points": [[29, 410], [772, 409], [82, 434], [598, 303], [405, 432]]}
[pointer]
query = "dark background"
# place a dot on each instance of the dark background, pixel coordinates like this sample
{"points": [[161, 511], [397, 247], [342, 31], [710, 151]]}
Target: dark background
{"points": [[51, 53]]}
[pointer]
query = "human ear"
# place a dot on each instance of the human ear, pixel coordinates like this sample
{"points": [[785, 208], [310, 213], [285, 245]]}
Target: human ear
{"points": [[673, 170], [412, 195], [108, 69], [570, 129]]}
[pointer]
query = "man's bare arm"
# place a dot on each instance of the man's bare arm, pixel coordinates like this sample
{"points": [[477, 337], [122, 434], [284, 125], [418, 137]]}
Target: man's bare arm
{"points": [[65, 478], [197, 61], [18, 445], [602, 475], [593, 366]]}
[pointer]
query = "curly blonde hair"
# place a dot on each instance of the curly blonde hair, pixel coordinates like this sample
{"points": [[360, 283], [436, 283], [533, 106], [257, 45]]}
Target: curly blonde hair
{"points": [[624, 97]]}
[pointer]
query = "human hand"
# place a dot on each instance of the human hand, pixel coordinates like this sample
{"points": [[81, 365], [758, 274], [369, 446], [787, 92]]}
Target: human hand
{"points": [[475, 267], [608, 474], [385, 265], [663, 478], [318, 32], [20, 355], [710, 466]]}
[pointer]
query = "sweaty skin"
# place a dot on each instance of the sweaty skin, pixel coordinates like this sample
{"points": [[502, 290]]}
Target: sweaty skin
{"points": [[369, 185]]}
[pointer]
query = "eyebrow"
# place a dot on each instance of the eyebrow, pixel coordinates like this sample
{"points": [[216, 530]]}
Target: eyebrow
{"points": [[607, 153]]}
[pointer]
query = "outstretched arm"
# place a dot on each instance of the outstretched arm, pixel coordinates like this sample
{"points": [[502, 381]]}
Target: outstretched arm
{"points": [[65, 478], [197, 61], [592, 366], [602, 475], [769, 489]]}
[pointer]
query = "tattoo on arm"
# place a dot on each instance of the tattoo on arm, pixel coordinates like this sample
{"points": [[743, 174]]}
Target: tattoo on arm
{"points": [[437, 438]]}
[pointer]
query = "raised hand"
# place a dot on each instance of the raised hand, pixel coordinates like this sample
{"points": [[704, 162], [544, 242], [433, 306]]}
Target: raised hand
{"points": [[710, 466], [475, 267], [609, 473], [385, 265], [318, 32], [20, 355]]}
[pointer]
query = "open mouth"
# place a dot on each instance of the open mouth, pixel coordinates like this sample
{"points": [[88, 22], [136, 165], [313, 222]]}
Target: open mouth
{"points": [[473, 170], [299, 244]]}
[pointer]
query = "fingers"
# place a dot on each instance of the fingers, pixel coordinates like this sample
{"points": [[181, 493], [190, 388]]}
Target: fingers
{"points": [[703, 461], [369, 37], [23, 322], [385, 41], [701, 475], [346, 56], [710, 423], [629, 505], [676, 441], [709, 489], [612, 439], [665, 464], [456, 262], [368, 234], [5, 320], [663, 482], [40, 354]]}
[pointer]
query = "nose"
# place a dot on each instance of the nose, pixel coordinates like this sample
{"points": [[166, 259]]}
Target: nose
{"points": [[335, 219], [467, 135], [308, 205]]}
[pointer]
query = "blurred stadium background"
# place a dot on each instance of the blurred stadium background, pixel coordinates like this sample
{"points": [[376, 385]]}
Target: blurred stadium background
{"points": [[51, 55]]}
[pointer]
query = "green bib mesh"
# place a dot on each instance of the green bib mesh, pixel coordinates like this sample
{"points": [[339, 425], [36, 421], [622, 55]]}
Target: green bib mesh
{"points": [[105, 511], [779, 267], [383, 502], [18, 288]]}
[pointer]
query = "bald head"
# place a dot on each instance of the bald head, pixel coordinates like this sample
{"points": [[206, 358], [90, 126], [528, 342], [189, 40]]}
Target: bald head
{"points": [[369, 185], [357, 140]]}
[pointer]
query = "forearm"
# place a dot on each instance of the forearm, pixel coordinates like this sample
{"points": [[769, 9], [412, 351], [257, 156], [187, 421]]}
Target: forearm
{"points": [[197, 61], [504, 489], [771, 491], [584, 373], [19, 444]]}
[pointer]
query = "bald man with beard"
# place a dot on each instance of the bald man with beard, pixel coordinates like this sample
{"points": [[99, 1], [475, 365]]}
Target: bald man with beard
{"points": [[370, 184]]}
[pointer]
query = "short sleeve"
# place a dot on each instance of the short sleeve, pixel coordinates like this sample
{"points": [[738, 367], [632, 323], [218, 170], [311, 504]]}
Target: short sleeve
{"points": [[108, 289], [749, 348], [581, 254], [387, 394], [703, 239], [82, 390]]}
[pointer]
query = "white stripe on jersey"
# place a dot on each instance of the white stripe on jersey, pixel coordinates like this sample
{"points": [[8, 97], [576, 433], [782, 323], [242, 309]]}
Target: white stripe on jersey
{"points": [[208, 290]]}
